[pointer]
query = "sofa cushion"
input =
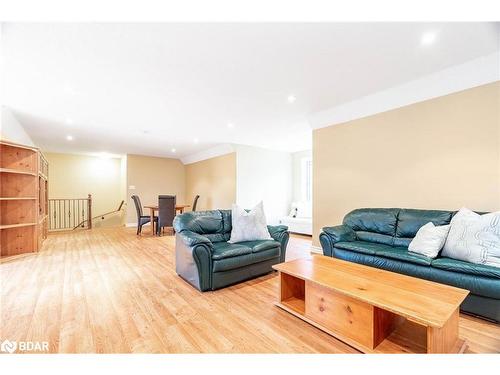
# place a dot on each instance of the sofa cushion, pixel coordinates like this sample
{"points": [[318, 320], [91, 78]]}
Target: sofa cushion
{"points": [[402, 253], [227, 264], [410, 220], [375, 237], [376, 220], [429, 240], [474, 238], [361, 246], [249, 225], [214, 225], [403, 242], [223, 250], [466, 267], [260, 245]]}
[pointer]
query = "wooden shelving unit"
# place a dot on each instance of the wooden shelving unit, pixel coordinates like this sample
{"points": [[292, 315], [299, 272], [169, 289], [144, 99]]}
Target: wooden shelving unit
{"points": [[17, 198], [23, 199], [7, 170]]}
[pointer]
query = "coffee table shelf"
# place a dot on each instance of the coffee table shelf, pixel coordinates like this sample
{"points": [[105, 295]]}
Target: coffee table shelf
{"points": [[298, 305], [373, 310]]}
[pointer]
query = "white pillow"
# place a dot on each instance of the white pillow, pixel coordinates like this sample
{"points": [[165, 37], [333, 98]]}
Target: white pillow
{"points": [[249, 226], [429, 240], [474, 238]]}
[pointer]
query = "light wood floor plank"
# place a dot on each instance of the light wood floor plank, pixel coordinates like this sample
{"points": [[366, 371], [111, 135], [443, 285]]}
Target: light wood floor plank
{"points": [[109, 291]]}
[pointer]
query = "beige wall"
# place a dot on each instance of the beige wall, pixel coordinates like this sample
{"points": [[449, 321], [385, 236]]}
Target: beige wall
{"points": [[75, 176], [443, 153], [151, 177], [214, 180]]}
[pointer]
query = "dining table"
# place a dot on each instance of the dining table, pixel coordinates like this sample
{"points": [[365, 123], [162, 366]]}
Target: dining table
{"points": [[153, 208]]}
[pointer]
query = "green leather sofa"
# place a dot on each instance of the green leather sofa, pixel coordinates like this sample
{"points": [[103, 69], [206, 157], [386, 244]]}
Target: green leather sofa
{"points": [[379, 237], [205, 259]]}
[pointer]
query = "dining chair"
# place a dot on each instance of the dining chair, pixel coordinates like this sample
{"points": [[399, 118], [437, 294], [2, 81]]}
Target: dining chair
{"points": [[195, 202], [141, 218], [166, 212]]}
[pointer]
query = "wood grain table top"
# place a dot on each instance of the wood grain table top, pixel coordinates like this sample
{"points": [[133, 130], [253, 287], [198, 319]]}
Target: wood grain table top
{"points": [[422, 301]]}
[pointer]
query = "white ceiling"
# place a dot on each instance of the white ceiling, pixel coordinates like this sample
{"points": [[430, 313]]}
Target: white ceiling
{"points": [[148, 88]]}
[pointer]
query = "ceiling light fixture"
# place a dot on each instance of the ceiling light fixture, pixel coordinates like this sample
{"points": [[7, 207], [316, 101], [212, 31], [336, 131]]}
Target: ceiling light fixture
{"points": [[69, 137], [428, 38], [196, 140], [230, 125], [173, 150], [291, 98]]}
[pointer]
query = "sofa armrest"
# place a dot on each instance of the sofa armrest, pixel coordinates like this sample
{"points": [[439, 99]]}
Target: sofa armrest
{"points": [[191, 238], [281, 234], [193, 259], [331, 235], [340, 233]]}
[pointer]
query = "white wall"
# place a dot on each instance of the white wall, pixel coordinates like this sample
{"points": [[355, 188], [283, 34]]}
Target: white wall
{"points": [[297, 187], [265, 175], [474, 73], [12, 130]]}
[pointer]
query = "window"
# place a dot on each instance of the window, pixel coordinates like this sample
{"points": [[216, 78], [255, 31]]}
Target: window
{"points": [[307, 179]]}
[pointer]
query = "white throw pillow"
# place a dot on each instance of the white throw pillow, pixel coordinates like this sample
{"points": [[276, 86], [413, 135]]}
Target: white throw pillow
{"points": [[474, 238], [429, 240], [249, 226]]}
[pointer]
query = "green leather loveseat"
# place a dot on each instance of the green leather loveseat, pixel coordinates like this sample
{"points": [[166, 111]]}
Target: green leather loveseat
{"points": [[205, 259], [379, 237]]}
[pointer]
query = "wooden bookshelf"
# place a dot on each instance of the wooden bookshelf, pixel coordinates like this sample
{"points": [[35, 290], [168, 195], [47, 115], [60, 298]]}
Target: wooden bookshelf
{"points": [[23, 198], [7, 170], [8, 226], [17, 198]]}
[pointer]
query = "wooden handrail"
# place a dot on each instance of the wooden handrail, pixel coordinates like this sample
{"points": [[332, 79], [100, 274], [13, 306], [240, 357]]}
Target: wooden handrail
{"points": [[101, 216], [67, 214]]}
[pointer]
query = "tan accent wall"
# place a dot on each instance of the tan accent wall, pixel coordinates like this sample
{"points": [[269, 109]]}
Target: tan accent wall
{"points": [[443, 153], [151, 177], [76, 176], [214, 180]]}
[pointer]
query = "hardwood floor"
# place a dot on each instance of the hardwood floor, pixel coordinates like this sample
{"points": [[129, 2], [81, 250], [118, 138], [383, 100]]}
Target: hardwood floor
{"points": [[109, 291]]}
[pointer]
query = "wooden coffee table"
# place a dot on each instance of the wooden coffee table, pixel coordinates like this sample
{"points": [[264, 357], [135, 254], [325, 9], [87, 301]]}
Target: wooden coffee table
{"points": [[373, 310]]}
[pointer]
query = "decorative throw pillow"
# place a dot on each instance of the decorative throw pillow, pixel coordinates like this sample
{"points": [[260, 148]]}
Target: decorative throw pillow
{"points": [[249, 226], [474, 238], [429, 240]]}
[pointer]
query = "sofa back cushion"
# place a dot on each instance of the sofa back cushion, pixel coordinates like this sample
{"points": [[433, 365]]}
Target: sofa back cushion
{"points": [[376, 220], [393, 226], [411, 220], [373, 224], [215, 224]]}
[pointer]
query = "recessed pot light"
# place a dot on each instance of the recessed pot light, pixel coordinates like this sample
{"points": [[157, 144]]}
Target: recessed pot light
{"points": [[428, 38], [69, 137], [291, 98], [173, 150]]}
